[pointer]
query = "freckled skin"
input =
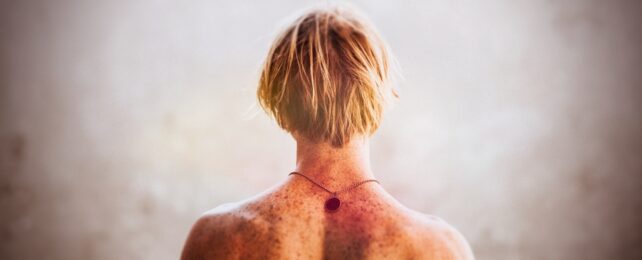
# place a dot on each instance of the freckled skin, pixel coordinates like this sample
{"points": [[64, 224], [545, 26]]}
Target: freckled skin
{"points": [[289, 222]]}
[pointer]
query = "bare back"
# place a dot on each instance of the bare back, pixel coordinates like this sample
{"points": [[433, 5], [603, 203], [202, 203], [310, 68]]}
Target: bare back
{"points": [[326, 80], [289, 222]]}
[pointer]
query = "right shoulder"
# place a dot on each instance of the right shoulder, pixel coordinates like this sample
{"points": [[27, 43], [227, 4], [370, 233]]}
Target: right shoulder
{"points": [[436, 239], [213, 235]]}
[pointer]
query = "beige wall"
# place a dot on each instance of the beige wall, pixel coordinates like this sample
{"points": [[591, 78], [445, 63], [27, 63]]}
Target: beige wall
{"points": [[121, 121]]}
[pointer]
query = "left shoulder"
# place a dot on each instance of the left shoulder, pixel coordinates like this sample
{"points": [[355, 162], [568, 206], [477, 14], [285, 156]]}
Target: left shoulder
{"points": [[214, 235]]}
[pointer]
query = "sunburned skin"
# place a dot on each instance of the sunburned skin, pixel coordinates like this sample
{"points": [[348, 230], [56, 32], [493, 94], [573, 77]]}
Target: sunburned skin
{"points": [[289, 221], [325, 81]]}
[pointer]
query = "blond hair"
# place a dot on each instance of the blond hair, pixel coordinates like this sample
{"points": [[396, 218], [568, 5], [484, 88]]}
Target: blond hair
{"points": [[327, 76]]}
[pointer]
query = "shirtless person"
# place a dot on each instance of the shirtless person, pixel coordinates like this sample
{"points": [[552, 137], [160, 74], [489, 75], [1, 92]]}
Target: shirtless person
{"points": [[325, 81]]}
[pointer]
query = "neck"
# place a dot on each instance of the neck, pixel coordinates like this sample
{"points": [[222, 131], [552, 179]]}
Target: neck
{"points": [[334, 167]]}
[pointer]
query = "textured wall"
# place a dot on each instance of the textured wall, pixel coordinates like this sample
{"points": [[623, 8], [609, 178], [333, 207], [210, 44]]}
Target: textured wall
{"points": [[121, 121]]}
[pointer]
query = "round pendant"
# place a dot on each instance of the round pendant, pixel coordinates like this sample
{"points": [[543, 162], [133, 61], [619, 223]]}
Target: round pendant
{"points": [[332, 204]]}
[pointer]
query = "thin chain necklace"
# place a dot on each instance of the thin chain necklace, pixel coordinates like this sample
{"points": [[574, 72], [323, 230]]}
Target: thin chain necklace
{"points": [[333, 203]]}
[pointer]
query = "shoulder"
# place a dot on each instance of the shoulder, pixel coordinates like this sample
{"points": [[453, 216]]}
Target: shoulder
{"points": [[436, 239], [218, 233]]}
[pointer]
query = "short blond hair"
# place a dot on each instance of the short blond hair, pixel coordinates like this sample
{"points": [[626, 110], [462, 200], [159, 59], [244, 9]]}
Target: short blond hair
{"points": [[327, 76]]}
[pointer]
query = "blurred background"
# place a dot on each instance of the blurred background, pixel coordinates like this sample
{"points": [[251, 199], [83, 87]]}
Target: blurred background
{"points": [[122, 121]]}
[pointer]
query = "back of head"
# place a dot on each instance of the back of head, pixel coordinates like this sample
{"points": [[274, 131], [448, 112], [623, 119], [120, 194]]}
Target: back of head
{"points": [[327, 76]]}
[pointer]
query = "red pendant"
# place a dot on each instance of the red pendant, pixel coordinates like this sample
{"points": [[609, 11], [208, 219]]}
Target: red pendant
{"points": [[332, 204]]}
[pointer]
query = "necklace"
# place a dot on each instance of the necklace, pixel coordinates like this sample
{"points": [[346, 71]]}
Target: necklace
{"points": [[333, 203]]}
